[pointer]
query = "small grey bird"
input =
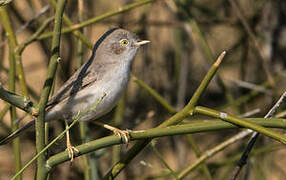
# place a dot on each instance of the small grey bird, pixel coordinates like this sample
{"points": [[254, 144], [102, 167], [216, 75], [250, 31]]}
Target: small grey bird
{"points": [[106, 73]]}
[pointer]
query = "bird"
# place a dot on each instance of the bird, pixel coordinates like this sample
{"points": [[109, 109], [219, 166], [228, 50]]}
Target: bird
{"points": [[103, 77]]}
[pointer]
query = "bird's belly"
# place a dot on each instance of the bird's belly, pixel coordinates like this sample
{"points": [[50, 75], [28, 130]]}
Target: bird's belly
{"points": [[93, 102]]}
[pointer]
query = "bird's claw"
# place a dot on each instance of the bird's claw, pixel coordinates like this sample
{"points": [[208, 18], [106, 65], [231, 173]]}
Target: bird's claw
{"points": [[123, 134], [71, 150]]}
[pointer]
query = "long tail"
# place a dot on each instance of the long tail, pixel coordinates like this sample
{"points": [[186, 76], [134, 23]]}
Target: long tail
{"points": [[17, 133]]}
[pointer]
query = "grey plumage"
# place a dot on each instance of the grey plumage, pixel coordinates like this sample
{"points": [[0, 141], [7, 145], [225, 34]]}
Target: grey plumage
{"points": [[106, 72]]}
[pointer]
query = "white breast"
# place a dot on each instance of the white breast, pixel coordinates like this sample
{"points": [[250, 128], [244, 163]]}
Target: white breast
{"points": [[112, 85]]}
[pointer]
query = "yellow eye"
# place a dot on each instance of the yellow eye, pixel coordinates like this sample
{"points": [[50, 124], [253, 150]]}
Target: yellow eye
{"points": [[124, 42]]}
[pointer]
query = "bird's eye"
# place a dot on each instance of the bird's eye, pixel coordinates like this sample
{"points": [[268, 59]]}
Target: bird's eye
{"points": [[124, 42]]}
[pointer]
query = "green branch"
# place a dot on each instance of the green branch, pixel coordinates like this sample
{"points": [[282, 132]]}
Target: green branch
{"points": [[195, 127], [12, 83], [18, 101], [198, 36], [154, 94], [33, 37], [13, 44], [210, 153], [2, 114], [99, 18], [240, 122], [40, 132], [76, 33], [161, 158]]}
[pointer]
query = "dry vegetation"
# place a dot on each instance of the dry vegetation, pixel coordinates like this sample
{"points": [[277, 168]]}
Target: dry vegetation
{"points": [[186, 37]]}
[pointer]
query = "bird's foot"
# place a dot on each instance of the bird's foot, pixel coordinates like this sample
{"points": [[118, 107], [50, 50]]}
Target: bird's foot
{"points": [[71, 151], [123, 134]]}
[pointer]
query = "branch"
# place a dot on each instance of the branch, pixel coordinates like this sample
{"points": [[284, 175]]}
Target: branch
{"points": [[196, 127], [18, 101], [240, 122], [99, 18], [243, 160], [40, 130], [246, 26]]}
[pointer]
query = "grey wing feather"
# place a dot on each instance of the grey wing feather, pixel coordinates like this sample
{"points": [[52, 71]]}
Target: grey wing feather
{"points": [[77, 82]]}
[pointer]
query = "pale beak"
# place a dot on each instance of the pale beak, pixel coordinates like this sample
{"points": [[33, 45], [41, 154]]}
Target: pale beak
{"points": [[140, 43]]}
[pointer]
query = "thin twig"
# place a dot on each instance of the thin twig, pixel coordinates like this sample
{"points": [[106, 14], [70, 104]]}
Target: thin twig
{"points": [[239, 122], [77, 32], [210, 153], [13, 63], [161, 158], [34, 36], [250, 33], [100, 17], [254, 137], [13, 44], [249, 85], [196, 34], [28, 23], [154, 94], [249, 113], [2, 114], [198, 153]]}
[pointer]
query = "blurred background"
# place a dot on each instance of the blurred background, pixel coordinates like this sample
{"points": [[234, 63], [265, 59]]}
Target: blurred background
{"points": [[186, 37]]}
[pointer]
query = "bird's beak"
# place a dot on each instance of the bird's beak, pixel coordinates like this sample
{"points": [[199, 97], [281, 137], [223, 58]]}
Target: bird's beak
{"points": [[140, 43]]}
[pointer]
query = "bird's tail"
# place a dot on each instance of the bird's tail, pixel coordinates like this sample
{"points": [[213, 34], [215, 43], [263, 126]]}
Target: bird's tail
{"points": [[17, 133]]}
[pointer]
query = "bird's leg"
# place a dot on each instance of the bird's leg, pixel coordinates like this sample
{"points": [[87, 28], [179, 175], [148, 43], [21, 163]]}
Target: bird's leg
{"points": [[70, 148], [123, 134]]}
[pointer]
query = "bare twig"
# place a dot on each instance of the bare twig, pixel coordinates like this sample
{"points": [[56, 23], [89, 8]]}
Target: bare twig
{"points": [[249, 85], [28, 23], [100, 17], [249, 113], [248, 30], [161, 158], [254, 137], [210, 153]]}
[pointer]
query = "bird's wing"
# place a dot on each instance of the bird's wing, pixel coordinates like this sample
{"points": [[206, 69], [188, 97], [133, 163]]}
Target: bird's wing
{"points": [[79, 80]]}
